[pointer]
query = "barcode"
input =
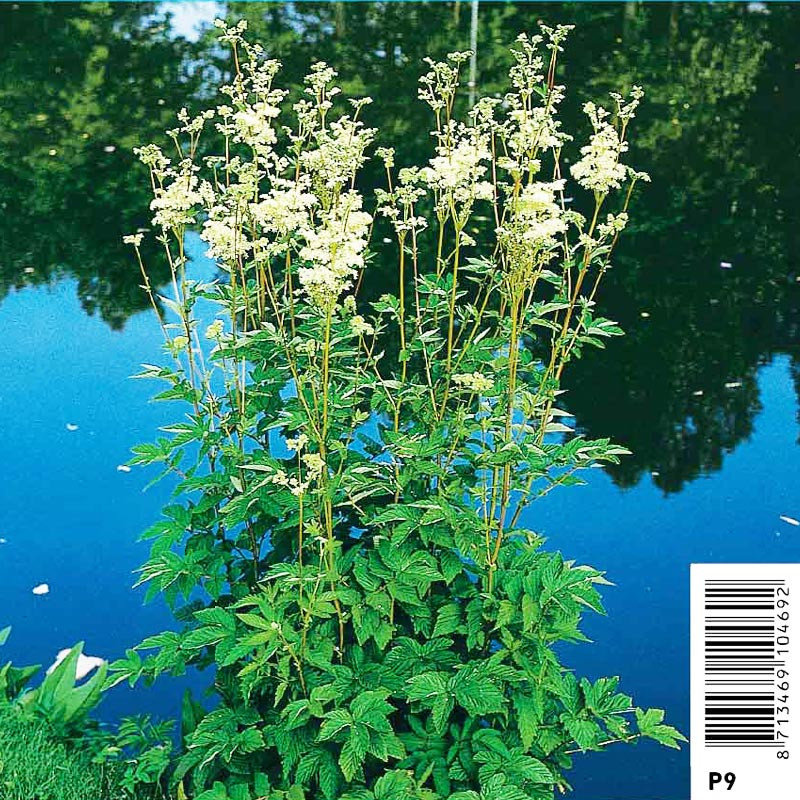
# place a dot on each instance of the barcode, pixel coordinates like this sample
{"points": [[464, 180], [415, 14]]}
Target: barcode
{"points": [[740, 663], [745, 676]]}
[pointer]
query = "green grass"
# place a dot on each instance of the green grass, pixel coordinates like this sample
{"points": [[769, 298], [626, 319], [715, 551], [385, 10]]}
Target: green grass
{"points": [[34, 766]]}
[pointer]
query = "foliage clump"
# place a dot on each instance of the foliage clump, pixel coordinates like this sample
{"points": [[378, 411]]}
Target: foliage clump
{"points": [[348, 547], [34, 763]]}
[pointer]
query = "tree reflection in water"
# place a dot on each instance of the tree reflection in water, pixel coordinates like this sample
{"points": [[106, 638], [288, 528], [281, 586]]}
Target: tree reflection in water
{"points": [[81, 84]]}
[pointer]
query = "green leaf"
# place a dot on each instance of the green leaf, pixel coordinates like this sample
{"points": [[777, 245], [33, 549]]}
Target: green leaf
{"points": [[354, 752], [335, 722], [427, 687], [650, 725]]}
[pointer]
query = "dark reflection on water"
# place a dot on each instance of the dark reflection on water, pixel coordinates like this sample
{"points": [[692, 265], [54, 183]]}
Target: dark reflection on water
{"points": [[705, 284], [80, 86], [83, 83]]}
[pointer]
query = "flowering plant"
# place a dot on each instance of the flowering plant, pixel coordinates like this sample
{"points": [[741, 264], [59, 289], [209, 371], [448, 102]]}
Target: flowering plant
{"points": [[348, 543]]}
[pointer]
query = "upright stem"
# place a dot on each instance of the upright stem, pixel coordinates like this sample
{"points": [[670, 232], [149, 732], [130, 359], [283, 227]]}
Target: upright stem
{"points": [[505, 489], [326, 502], [451, 323]]}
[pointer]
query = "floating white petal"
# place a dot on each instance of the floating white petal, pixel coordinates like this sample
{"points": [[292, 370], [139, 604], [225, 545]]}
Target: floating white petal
{"points": [[42, 588], [71, 426], [733, 384], [725, 265], [84, 666], [790, 520], [123, 468]]}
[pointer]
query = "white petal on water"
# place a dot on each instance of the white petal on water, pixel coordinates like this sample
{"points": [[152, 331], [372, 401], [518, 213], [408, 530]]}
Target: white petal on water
{"points": [[790, 520], [644, 314], [123, 468], [84, 666], [29, 270], [698, 393], [42, 588], [109, 148], [71, 426], [733, 384], [3, 541], [725, 265]]}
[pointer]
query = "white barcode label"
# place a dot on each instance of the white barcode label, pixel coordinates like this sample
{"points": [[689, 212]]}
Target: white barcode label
{"points": [[745, 681]]}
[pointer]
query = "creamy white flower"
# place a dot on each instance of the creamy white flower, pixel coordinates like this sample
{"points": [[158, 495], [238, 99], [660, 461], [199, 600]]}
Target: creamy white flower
{"points": [[339, 154], [284, 210], [600, 170], [360, 326], [473, 382], [335, 249], [225, 239], [530, 237], [315, 465], [214, 330], [174, 205], [254, 126], [297, 444], [151, 156], [614, 224]]}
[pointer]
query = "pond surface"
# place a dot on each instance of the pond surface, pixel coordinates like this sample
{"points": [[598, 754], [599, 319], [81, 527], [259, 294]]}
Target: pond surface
{"points": [[703, 388]]}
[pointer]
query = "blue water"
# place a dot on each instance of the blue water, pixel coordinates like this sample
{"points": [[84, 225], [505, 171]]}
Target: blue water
{"points": [[71, 519], [724, 187], [646, 542]]}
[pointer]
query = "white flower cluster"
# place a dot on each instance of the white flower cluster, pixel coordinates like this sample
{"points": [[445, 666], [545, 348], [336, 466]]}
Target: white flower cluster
{"points": [[614, 224], [151, 156], [532, 126], [439, 84], [360, 326], [473, 382], [224, 238], [175, 205], [339, 154], [537, 210], [214, 330], [398, 206], [530, 237], [133, 238], [257, 205], [314, 464], [600, 170], [455, 173], [281, 212], [335, 250]]}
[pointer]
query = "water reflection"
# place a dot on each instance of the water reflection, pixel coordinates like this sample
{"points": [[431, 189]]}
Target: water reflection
{"points": [[82, 83]]}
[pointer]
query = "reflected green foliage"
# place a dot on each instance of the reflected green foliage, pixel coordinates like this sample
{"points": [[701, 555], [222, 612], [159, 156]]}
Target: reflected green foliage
{"points": [[719, 134], [79, 85], [714, 260]]}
